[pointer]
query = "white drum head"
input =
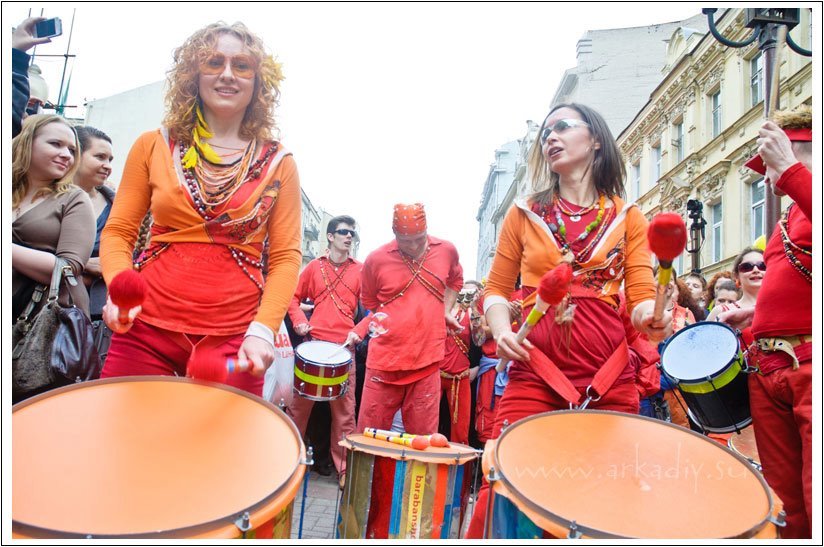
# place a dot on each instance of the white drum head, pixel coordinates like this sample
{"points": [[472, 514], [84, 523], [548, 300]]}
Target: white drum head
{"points": [[698, 351], [323, 353]]}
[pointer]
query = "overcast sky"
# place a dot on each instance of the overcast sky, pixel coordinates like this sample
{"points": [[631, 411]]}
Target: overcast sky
{"points": [[382, 103]]}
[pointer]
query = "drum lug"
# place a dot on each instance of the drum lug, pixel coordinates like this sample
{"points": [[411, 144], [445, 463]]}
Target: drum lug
{"points": [[779, 520], [493, 476], [310, 456], [243, 523], [574, 533]]}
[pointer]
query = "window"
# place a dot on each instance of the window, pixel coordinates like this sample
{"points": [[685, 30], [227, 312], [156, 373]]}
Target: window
{"points": [[678, 141], [655, 163], [757, 210], [715, 105], [756, 70], [636, 180], [716, 232]]}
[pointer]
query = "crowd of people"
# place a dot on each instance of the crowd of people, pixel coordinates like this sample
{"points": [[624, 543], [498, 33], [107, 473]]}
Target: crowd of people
{"points": [[208, 211]]}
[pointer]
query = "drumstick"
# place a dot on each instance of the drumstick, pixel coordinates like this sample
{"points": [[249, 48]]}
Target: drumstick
{"points": [[127, 290], [553, 287], [435, 439], [667, 236], [418, 443]]}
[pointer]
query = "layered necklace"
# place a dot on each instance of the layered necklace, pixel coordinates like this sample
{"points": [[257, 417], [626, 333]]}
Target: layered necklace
{"points": [[597, 227]]}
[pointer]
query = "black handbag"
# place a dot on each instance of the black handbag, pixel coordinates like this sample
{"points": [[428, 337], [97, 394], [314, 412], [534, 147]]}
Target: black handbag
{"points": [[56, 347]]}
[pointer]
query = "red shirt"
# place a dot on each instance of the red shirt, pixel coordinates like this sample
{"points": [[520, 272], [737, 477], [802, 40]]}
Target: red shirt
{"points": [[335, 292], [785, 301], [782, 285], [416, 333], [456, 351]]}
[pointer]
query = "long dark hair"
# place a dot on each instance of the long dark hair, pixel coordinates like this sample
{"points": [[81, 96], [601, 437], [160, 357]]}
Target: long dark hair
{"points": [[608, 172]]}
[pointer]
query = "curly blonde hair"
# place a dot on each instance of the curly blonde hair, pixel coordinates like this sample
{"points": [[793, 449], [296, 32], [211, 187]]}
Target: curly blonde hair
{"points": [[21, 158], [182, 83]]}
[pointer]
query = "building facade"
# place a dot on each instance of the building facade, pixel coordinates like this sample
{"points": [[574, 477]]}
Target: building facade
{"points": [[618, 68], [691, 139], [498, 191]]}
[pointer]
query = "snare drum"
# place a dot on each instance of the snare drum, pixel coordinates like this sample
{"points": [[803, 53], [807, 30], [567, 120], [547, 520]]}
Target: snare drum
{"points": [[705, 361], [397, 492], [321, 373], [606, 475], [153, 457], [744, 444]]}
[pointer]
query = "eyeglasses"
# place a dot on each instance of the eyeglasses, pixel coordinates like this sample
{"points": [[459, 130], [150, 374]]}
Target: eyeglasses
{"points": [[560, 126], [243, 66], [746, 267], [346, 232]]}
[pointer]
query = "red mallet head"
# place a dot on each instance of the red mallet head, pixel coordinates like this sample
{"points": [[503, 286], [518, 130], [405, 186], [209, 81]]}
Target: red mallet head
{"points": [[208, 365], [437, 439], [419, 443], [555, 284], [667, 237], [127, 290]]}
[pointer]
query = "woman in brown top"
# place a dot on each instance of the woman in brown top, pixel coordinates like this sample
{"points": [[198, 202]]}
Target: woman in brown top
{"points": [[51, 216]]}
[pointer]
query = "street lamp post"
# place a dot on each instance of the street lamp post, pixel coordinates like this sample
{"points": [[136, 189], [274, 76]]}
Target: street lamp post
{"points": [[771, 27]]}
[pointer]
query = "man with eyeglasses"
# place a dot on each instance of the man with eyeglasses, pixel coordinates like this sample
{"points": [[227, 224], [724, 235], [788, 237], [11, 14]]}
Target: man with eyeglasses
{"points": [[333, 283], [781, 391], [415, 280]]}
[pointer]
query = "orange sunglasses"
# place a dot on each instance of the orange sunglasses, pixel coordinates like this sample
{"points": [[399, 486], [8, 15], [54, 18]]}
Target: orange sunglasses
{"points": [[242, 66]]}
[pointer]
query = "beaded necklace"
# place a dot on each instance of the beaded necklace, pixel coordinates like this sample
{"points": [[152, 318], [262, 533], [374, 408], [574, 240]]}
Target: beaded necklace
{"points": [[415, 273], [790, 247], [425, 282], [573, 215], [460, 343], [330, 288], [559, 231]]}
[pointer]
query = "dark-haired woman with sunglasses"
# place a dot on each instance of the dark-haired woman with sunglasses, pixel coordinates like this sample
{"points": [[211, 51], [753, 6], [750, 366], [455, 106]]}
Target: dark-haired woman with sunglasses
{"points": [[748, 271], [219, 187], [577, 217]]}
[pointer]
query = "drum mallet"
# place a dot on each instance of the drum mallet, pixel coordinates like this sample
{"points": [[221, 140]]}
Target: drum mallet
{"points": [[553, 287], [126, 291], [418, 443], [435, 439], [667, 236]]}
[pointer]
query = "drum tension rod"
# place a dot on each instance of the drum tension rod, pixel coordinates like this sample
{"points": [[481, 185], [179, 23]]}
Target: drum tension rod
{"points": [[310, 456], [574, 533], [243, 523], [779, 520]]}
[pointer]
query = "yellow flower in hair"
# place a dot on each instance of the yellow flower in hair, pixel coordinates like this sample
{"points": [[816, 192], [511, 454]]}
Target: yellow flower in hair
{"points": [[271, 72]]}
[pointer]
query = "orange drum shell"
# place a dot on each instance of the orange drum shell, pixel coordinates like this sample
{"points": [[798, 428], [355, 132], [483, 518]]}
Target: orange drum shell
{"points": [[564, 441], [193, 446]]}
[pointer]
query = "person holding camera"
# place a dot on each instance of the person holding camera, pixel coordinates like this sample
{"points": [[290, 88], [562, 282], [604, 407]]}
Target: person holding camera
{"points": [[218, 187], [781, 392], [23, 38]]}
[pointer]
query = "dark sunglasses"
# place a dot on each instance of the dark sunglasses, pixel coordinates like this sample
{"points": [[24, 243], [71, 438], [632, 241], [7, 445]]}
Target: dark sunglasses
{"points": [[561, 126], [346, 232], [747, 267]]}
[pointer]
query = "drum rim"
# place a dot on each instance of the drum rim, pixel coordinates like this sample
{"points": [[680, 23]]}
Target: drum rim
{"points": [[702, 379], [185, 531], [404, 452], [601, 534], [317, 363]]}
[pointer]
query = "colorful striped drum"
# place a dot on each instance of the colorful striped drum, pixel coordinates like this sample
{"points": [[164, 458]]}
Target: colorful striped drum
{"points": [[397, 492], [608, 475], [153, 457]]}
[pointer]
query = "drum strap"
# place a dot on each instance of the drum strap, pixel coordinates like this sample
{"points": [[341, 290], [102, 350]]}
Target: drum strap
{"points": [[553, 377]]}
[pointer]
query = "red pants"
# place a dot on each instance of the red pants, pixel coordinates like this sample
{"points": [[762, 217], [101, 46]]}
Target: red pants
{"points": [[343, 419], [419, 403], [781, 404], [148, 350], [459, 397], [527, 395], [486, 406]]}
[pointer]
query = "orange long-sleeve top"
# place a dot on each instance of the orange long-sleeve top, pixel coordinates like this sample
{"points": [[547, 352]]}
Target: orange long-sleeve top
{"points": [[527, 246], [200, 285]]}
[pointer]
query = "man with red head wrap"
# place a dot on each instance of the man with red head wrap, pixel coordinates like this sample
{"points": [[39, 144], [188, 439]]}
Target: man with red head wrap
{"points": [[782, 321], [415, 280]]}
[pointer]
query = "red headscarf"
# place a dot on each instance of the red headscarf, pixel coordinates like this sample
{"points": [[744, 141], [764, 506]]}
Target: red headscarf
{"points": [[797, 135], [409, 219]]}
